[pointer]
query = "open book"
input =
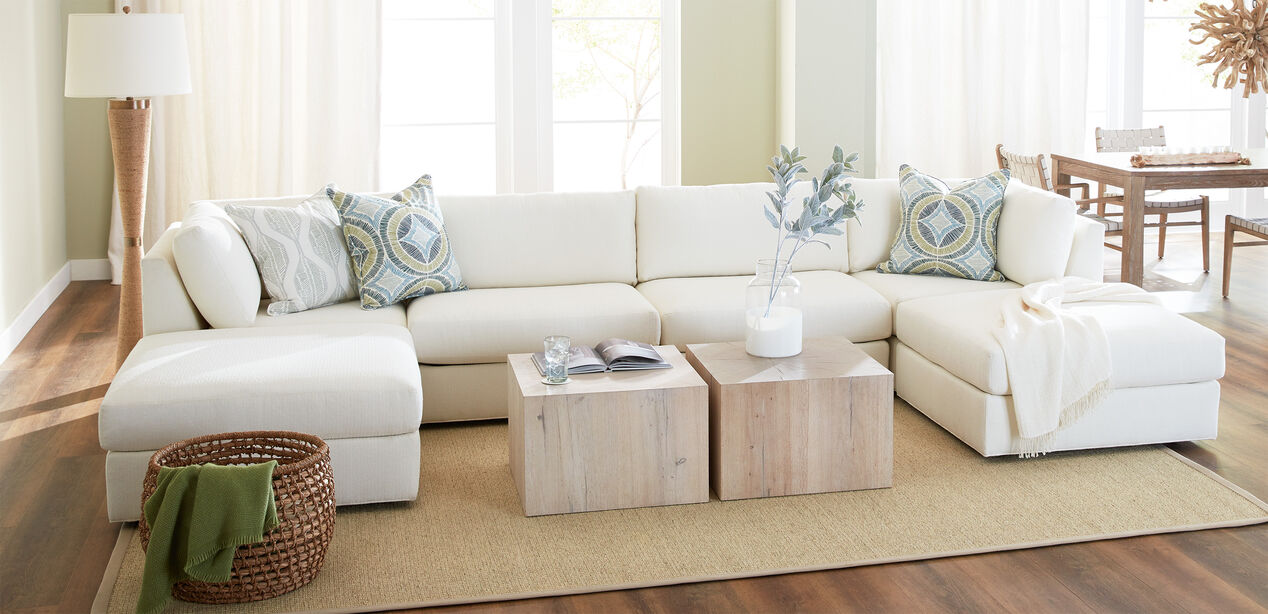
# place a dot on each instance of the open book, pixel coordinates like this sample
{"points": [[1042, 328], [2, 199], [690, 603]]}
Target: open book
{"points": [[610, 355]]}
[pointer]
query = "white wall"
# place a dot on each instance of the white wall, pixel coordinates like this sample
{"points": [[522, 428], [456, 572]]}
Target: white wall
{"points": [[827, 79]]}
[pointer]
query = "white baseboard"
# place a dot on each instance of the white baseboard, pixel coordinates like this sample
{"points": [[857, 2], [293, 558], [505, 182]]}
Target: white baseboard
{"points": [[13, 335], [90, 269]]}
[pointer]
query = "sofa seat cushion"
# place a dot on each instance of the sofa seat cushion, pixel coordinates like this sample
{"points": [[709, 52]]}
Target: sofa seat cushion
{"points": [[347, 312], [897, 288], [711, 309], [333, 380], [484, 325], [1149, 344]]}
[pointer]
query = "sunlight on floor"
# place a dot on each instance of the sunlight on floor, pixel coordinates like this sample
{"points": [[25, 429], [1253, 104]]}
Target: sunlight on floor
{"points": [[26, 425], [1178, 279]]}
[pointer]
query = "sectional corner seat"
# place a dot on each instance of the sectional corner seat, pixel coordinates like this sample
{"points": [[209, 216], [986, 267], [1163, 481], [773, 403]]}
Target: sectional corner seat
{"points": [[668, 265]]}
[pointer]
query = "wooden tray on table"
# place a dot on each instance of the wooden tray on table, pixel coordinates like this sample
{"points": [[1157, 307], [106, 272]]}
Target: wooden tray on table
{"points": [[1196, 159]]}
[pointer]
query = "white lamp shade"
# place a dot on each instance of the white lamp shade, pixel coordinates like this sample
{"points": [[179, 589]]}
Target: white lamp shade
{"points": [[116, 55]]}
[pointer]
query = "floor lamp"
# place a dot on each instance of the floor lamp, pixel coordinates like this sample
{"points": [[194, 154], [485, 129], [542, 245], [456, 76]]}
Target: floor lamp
{"points": [[128, 59]]}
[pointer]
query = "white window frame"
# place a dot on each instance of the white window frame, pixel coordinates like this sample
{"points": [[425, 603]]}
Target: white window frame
{"points": [[1124, 100], [670, 109], [523, 82], [500, 42], [527, 146]]}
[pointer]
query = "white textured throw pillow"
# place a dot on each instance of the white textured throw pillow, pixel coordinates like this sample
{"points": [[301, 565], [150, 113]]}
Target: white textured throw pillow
{"points": [[300, 252], [1036, 228], [216, 267]]}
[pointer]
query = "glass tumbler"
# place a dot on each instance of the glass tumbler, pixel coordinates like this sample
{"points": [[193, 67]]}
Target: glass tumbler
{"points": [[557, 349]]}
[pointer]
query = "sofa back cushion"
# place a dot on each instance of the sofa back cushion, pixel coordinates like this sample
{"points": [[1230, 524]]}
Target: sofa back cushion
{"points": [[216, 267], [1036, 229], [872, 233], [521, 240], [700, 231]]}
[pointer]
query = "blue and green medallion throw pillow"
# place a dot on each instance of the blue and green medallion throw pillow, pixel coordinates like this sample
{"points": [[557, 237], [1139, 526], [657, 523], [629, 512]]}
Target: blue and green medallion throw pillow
{"points": [[944, 231], [399, 246]]}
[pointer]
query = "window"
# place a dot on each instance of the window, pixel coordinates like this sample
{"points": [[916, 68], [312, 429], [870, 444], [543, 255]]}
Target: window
{"points": [[438, 95], [606, 93], [1176, 92], [529, 95], [1147, 76]]}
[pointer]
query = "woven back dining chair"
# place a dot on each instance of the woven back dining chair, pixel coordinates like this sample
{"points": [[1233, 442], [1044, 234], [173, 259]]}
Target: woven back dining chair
{"points": [[1131, 139], [1033, 170], [1160, 204]]}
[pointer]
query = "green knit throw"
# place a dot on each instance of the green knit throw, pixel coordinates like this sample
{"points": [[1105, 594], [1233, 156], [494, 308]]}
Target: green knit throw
{"points": [[198, 516]]}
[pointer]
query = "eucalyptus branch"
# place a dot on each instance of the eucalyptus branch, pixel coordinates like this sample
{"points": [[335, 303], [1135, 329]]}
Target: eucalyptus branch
{"points": [[817, 216]]}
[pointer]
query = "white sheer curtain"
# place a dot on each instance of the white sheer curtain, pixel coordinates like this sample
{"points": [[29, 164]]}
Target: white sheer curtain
{"points": [[285, 100], [957, 77]]}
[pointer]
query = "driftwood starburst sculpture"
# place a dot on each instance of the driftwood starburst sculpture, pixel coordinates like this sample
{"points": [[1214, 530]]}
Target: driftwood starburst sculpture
{"points": [[1241, 43]]}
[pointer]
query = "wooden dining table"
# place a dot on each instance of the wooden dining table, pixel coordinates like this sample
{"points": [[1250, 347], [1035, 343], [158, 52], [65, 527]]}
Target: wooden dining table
{"points": [[1115, 169]]}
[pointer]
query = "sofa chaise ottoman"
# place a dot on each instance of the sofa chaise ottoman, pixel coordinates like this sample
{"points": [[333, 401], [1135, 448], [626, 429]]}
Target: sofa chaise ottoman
{"points": [[948, 365], [354, 385]]}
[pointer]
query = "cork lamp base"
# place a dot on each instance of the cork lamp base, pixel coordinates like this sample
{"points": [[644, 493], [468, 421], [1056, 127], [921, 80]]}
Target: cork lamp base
{"points": [[130, 142]]}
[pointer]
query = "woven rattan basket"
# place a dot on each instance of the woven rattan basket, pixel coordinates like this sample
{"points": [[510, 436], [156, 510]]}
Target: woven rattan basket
{"points": [[304, 488]]}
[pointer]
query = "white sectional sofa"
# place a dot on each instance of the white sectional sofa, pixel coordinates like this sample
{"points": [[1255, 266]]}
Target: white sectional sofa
{"points": [[669, 265]]}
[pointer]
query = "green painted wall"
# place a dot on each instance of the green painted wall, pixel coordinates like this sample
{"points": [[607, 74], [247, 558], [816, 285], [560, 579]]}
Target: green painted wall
{"points": [[89, 165], [728, 73], [32, 212]]}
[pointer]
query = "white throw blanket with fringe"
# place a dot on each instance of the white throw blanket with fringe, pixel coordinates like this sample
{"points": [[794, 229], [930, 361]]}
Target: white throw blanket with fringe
{"points": [[1058, 360]]}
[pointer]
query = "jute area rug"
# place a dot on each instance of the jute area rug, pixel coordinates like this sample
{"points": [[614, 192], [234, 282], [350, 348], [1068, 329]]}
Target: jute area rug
{"points": [[467, 540]]}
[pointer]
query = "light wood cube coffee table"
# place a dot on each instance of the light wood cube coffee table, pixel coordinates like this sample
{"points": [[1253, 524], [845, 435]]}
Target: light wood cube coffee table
{"points": [[820, 421], [609, 440]]}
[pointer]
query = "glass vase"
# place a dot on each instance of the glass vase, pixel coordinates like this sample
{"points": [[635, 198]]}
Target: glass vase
{"points": [[772, 311]]}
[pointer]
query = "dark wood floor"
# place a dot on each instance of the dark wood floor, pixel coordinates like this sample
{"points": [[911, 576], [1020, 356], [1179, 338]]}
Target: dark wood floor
{"points": [[55, 540]]}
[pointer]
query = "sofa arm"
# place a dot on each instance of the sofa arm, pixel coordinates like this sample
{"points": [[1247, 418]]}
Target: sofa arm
{"points": [[166, 307], [1087, 252]]}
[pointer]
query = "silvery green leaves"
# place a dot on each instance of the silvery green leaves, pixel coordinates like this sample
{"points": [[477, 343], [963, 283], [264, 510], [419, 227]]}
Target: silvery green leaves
{"points": [[783, 169], [850, 203], [817, 215]]}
